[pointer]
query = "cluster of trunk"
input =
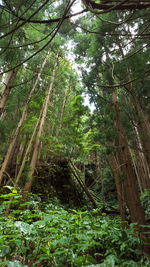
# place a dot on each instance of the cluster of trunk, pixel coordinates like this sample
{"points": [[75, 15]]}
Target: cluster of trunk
{"points": [[131, 172]]}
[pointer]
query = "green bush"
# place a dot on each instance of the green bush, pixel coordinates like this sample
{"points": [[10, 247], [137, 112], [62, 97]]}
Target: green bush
{"points": [[53, 236]]}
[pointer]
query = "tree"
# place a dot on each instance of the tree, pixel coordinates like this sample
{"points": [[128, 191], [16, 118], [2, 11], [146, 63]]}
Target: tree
{"points": [[36, 147], [12, 145], [109, 39], [113, 80], [18, 20]]}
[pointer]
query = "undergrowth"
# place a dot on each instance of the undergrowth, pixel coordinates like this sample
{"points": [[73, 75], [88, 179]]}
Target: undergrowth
{"points": [[36, 234]]}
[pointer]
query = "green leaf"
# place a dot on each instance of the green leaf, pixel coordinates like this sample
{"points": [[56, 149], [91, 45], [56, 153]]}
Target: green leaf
{"points": [[24, 227], [4, 250], [11, 188], [82, 260], [109, 261]]}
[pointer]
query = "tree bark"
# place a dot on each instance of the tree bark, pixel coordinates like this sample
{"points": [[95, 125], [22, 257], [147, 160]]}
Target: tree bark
{"points": [[129, 180], [141, 165], [143, 126], [119, 187], [127, 171]]}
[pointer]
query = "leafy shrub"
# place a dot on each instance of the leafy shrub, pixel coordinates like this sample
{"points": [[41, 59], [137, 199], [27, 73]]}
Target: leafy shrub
{"points": [[53, 236]]}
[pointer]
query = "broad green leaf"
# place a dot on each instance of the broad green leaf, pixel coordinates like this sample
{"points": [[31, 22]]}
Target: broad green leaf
{"points": [[24, 227]]}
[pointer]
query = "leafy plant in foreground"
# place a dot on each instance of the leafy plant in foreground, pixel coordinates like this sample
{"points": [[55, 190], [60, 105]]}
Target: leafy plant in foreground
{"points": [[54, 236]]}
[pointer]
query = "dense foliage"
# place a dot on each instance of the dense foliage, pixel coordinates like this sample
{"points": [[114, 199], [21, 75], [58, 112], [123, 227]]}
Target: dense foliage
{"points": [[88, 170], [46, 234]]}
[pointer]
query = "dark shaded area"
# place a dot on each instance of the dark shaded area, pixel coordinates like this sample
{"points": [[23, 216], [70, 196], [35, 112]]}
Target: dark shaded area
{"points": [[54, 180]]}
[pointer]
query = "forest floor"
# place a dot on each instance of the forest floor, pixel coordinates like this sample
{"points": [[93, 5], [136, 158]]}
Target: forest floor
{"points": [[48, 234]]}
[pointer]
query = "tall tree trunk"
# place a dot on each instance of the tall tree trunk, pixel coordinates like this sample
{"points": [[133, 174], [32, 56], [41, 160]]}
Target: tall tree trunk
{"points": [[143, 122], [23, 148], [129, 181], [143, 126], [127, 170], [17, 131], [141, 165], [62, 112], [142, 131], [36, 148], [24, 159], [7, 88], [23, 162]]}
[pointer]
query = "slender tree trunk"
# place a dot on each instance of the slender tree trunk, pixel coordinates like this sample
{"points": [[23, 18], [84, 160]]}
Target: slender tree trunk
{"points": [[23, 148], [29, 181], [7, 88], [62, 112], [28, 149], [17, 131]]}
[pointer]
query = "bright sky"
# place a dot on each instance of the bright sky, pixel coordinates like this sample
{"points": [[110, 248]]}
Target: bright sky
{"points": [[77, 6]]}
